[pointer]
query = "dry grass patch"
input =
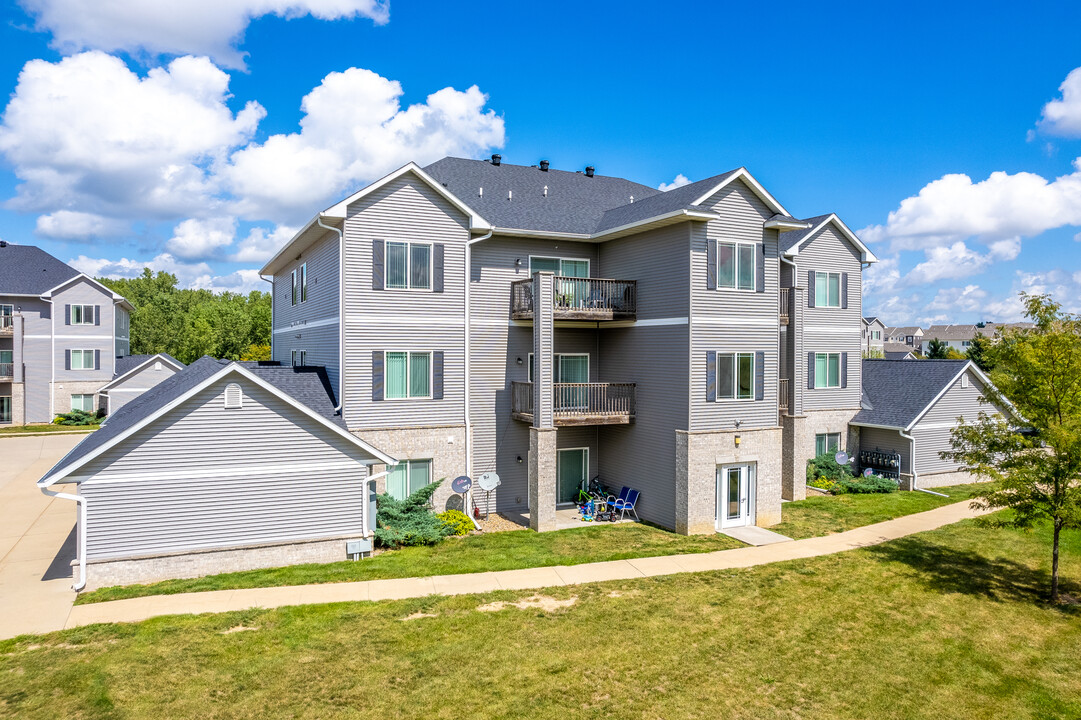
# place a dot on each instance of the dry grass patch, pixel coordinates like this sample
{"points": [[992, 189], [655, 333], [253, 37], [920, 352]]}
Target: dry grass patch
{"points": [[534, 602]]}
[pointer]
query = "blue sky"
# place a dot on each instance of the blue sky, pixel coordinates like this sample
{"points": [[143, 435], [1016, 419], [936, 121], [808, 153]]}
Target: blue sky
{"points": [[134, 135]]}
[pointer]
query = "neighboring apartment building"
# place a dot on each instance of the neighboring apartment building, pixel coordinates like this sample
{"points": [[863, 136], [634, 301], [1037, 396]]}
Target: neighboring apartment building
{"points": [[874, 337], [698, 345], [956, 337], [911, 335], [60, 333]]}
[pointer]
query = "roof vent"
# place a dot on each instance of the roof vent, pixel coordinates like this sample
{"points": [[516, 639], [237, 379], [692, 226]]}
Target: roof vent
{"points": [[3, 243], [234, 397], [590, 170], [496, 159], [510, 194], [480, 192], [544, 166], [545, 191]]}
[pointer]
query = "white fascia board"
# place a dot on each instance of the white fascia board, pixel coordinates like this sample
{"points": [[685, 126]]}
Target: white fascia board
{"points": [[154, 358], [982, 377], [83, 276], [743, 174], [518, 232], [53, 477], [785, 225], [866, 255], [288, 245], [675, 214], [874, 425]]}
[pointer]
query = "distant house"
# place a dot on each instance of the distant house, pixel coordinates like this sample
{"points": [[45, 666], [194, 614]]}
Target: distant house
{"points": [[989, 330], [224, 466], [898, 351], [911, 335], [956, 337], [134, 375], [874, 332], [912, 407]]}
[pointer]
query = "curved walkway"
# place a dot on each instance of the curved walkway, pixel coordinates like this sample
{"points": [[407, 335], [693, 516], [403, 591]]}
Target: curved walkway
{"points": [[137, 609]]}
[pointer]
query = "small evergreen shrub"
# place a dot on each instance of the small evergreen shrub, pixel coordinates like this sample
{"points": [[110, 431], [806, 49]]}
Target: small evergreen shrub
{"points": [[823, 471], [457, 522], [410, 521], [865, 485], [77, 417]]}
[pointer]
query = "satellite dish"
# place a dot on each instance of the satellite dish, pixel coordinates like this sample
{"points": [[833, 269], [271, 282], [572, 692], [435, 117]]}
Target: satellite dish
{"points": [[489, 481], [868, 472], [842, 458], [461, 484]]}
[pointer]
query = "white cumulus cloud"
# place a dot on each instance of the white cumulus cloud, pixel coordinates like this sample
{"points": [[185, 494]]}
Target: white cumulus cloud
{"points": [[970, 298], [679, 181], [261, 244], [198, 27], [194, 238], [73, 225], [945, 263], [194, 274], [1062, 116]]}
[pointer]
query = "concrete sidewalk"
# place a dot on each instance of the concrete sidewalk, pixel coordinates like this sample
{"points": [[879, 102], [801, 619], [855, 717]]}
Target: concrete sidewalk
{"points": [[138, 609]]}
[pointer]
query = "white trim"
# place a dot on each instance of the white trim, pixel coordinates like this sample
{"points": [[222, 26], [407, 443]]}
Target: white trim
{"points": [[560, 258], [403, 319], [409, 266], [735, 377], [409, 375], [980, 376], [840, 290], [747, 515], [866, 255], [585, 468], [785, 225], [55, 475], [675, 214], [857, 423], [655, 322], [743, 174], [935, 426], [741, 321], [300, 325], [840, 371], [735, 278], [69, 337], [261, 469], [832, 329], [113, 296], [177, 367], [116, 390]]}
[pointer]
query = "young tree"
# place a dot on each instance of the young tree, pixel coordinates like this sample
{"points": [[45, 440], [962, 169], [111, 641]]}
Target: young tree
{"points": [[978, 352], [1038, 472], [937, 350]]}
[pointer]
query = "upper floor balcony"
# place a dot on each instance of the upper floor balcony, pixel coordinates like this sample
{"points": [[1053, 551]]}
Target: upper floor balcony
{"points": [[7, 371], [7, 325], [784, 306], [580, 403], [580, 299]]}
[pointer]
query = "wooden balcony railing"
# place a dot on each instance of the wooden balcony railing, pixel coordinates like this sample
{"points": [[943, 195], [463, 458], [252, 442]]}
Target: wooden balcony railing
{"points": [[784, 306], [782, 394], [580, 299], [580, 403], [7, 324]]}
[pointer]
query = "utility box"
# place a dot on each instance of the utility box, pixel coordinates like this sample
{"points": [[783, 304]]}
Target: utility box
{"points": [[357, 547]]}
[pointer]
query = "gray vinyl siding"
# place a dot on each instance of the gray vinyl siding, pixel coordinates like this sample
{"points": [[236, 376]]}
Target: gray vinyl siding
{"points": [[658, 261], [122, 325], [137, 383], [319, 311], [726, 320], [154, 511], [36, 353], [404, 210], [101, 337], [833, 330], [933, 431], [887, 441]]}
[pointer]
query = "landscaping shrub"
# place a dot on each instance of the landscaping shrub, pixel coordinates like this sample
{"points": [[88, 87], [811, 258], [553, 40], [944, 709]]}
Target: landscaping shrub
{"points": [[824, 472], [409, 521], [78, 417], [865, 485], [457, 522]]}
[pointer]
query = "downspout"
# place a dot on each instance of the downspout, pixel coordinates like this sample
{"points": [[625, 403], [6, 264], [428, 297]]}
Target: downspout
{"points": [[271, 281], [912, 450], [81, 547], [52, 362], [341, 310], [468, 427], [368, 525]]}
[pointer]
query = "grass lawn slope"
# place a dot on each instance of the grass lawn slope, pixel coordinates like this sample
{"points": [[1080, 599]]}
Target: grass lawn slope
{"points": [[946, 624]]}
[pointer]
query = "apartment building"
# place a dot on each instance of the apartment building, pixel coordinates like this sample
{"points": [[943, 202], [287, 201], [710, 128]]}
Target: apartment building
{"points": [[698, 344], [955, 337], [874, 337], [60, 333]]}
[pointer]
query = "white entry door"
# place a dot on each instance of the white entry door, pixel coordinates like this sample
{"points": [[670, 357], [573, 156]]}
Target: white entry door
{"points": [[735, 496]]}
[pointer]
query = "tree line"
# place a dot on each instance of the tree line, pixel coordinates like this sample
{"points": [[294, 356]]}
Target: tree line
{"points": [[188, 324]]}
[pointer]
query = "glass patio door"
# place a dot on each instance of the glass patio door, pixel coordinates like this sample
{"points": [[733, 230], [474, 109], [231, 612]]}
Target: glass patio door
{"points": [[5, 410], [573, 466], [734, 495], [572, 369]]}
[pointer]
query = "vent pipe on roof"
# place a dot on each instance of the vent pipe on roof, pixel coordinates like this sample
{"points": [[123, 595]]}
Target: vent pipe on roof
{"points": [[496, 159], [544, 166], [545, 191], [3, 243], [590, 170], [632, 198], [480, 193], [510, 194]]}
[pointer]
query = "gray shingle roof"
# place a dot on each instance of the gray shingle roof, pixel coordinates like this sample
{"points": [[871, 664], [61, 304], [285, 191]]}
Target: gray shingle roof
{"points": [[950, 332], [574, 203], [127, 363], [307, 385], [661, 203], [897, 391], [789, 239], [28, 270]]}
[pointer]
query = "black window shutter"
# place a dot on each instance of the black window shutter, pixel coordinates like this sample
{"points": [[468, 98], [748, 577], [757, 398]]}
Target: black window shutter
{"points": [[437, 267], [810, 371], [377, 265], [711, 376], [711, 264], [437, 375], [844, 369], [760, 269], [377, 375], [97, 314], [810, 288], [97, 359], [759, 375], [844, 290], [67, 314], [67, 359]]}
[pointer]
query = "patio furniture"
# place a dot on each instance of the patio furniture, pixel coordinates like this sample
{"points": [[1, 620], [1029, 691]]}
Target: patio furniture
{"points": [[627, 505], [622, 495]]}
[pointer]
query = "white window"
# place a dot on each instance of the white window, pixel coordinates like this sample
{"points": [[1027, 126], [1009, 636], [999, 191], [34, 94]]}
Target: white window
{"points": [[299, 357], [827, 443], [234, 396], [827, 370], [736, 265], [409, 266], [294, 293], [82, 402], [82, 359], [82, 314], [876, 335], [6, 312], [735, 376], [567, 267], [409, 375], [827, 289], [407, 477]]}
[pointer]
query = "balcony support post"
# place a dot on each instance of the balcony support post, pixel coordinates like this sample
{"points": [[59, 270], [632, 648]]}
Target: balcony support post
{"points": [[542, 436]]}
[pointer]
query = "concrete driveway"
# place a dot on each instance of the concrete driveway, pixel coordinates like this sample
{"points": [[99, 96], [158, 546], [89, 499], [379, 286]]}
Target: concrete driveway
{"points": [[37, 537]]}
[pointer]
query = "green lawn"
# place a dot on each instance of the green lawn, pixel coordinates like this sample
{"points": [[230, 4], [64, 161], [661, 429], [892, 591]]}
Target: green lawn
{"points": [[22, 429], [947, 624], [827, 514], [472, 553]]}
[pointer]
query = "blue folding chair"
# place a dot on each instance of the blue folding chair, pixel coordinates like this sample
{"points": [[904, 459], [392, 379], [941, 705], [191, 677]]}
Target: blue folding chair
{"points": [[625, 505]]}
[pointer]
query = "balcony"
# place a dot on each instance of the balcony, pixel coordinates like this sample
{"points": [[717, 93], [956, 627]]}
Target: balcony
{"points": [[7, 371], [782, 395], [784, 306], [7, 325], [580, 299], [579, 403]]}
